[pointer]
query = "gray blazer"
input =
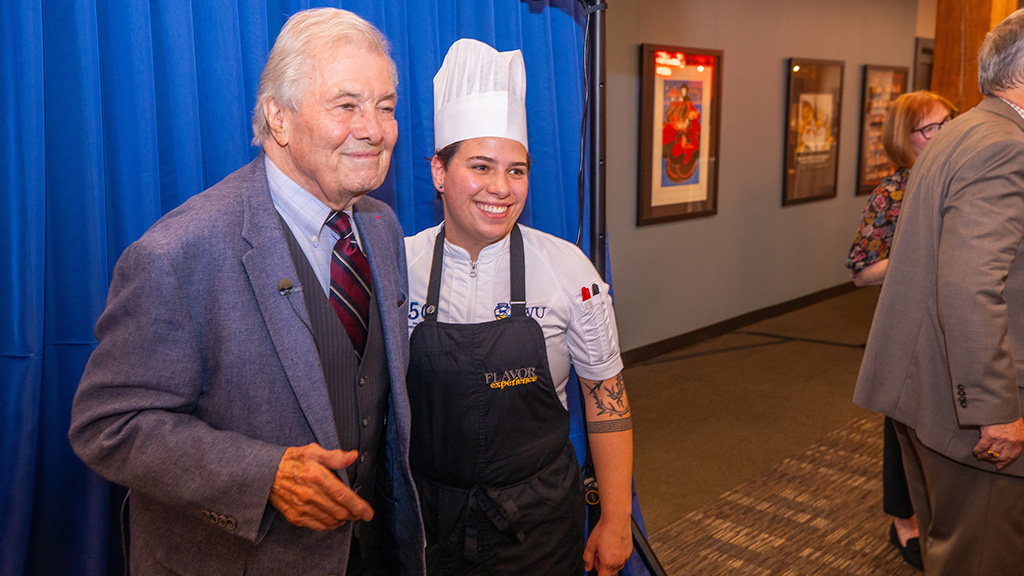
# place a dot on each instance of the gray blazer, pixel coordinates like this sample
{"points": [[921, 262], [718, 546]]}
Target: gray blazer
{"points": [[205, 373], [946, 349]]}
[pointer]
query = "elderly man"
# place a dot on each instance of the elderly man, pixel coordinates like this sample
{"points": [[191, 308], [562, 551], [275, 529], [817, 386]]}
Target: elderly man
{"points": [[947, 345], [248, 386]]}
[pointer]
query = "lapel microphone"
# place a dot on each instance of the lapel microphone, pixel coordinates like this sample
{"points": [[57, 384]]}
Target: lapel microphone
{"points": [[286, 288]]}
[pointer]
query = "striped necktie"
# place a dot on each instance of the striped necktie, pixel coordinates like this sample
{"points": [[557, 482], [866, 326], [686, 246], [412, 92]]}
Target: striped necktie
{"points": [[351, 284]]}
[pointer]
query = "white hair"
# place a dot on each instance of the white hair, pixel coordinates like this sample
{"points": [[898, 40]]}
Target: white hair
{"points": [[284, 77]]}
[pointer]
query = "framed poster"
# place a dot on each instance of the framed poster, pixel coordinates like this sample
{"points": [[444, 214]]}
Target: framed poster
{"points": [[680, 107], [812, 130], [882, 85]]}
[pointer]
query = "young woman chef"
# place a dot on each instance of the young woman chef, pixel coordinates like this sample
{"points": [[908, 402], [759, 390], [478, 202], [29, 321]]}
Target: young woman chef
{"points": [[499, 312]]}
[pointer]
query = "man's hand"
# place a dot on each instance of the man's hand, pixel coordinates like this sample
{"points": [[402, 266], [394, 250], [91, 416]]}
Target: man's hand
{"points": [[1000, 444], [609, 546], [310, 495]]}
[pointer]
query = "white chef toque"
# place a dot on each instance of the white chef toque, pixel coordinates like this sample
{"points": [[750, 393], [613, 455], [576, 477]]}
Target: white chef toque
{"points": [[479, 92]]}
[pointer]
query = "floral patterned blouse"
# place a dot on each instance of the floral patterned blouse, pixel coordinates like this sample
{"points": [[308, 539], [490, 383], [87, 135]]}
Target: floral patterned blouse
{"points": [[874, 237]]}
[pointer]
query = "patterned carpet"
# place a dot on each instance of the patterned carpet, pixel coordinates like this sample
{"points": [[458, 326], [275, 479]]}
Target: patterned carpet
{"points": [[817, 513]]}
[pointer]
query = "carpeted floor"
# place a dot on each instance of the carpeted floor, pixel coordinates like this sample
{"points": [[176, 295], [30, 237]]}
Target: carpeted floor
{"points": [[724, 474], [816, 513]]}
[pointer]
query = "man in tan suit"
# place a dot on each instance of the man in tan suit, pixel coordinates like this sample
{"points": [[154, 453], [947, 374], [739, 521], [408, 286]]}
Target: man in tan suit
{"points": [[945, 358]]}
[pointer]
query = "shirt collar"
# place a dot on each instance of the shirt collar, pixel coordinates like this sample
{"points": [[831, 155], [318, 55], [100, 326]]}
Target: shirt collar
{"points": [[307, 212], [1020, 111], [487, 253]]}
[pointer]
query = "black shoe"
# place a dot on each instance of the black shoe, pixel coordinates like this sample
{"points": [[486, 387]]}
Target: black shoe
{"points": [[911, 552]]}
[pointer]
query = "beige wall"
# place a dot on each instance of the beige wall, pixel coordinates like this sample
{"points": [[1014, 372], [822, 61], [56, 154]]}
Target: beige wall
{"points": [[680, 276]]}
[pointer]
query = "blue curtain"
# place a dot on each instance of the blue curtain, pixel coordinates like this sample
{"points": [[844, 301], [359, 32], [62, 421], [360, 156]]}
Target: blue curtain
{"points": [[116, 111]]}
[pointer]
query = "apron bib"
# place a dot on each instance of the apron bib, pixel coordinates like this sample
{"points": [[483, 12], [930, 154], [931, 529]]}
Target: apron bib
{"points": [[499, 486]]}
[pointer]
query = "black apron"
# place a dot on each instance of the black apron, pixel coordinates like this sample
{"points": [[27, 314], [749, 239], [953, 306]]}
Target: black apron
{"points": [[499, 485]]}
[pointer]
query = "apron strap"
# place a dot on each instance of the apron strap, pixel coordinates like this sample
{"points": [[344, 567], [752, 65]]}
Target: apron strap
{"points": [[434, 287], [517, 274]]}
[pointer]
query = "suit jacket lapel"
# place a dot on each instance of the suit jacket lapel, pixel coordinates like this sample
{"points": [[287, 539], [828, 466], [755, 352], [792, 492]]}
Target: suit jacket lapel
{"points": [[385, 251], [371, 235], [384, 266], [267, 263]]}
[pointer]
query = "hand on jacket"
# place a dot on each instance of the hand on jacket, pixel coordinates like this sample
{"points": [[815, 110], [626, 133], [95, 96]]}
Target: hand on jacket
{"points": [[309, 494]]}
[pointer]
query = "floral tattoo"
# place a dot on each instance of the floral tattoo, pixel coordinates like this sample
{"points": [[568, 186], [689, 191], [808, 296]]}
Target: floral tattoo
{"points": [[610, 396]]}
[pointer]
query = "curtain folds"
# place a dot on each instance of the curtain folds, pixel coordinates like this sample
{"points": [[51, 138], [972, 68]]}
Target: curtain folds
{"points": [[115, 112]]}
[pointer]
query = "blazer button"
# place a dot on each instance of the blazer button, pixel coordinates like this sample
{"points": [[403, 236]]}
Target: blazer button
{"points": [[963, 403], [366, 422], [231, 524], [362, 380]]}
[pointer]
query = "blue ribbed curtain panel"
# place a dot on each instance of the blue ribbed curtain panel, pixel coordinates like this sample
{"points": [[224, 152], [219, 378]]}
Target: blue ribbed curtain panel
{"points": [[116, 111]]}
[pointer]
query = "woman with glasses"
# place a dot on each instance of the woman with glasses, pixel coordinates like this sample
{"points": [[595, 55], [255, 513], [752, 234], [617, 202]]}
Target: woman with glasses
{"points": [[912, 121]]}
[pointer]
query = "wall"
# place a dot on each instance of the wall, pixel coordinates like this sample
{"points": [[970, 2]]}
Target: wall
{"points": [[680, 276]]}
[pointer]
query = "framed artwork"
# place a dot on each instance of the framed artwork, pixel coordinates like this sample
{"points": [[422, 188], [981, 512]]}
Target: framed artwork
{"points": [[812, 130], [680, 110], [882, 85]]}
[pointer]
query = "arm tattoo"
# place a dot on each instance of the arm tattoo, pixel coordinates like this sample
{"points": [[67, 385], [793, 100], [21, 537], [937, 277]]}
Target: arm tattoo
{"points": [[620, 425], [610, 396]]}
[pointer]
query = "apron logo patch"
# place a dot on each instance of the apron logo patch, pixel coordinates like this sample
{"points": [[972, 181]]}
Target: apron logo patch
{"points": [[511, 377], [502, 310]]}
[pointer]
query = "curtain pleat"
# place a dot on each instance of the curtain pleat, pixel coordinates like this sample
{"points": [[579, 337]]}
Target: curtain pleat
{"points": [[224, 116], [21, 275], [114, 112]]}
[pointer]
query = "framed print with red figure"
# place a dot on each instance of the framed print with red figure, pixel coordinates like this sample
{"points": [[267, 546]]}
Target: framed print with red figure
{"points": [[680, 110]]}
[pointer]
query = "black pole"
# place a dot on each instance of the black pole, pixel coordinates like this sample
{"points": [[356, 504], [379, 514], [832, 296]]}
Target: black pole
{"points": [[597, 195], [597, 141], [646, 553]]}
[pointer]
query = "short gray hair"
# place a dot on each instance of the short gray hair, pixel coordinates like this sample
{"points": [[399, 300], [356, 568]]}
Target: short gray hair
{"points": [[284, 77], [1001, 57]]}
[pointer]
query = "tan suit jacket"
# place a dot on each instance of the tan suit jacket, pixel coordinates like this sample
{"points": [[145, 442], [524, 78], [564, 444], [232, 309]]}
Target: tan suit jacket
{"points": [[946, 350]]}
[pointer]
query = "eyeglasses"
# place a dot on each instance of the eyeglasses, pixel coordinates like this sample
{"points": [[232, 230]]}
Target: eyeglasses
{"points": [[928, 130]]}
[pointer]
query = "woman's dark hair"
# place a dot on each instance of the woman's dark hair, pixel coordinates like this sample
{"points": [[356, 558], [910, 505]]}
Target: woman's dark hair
{"points": [[446, 154]]}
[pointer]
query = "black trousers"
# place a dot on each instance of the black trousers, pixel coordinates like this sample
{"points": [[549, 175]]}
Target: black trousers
{"points": [[895, 494]]}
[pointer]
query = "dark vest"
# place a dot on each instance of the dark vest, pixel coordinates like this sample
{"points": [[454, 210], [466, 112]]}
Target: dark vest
{"points": [[358, 391]]}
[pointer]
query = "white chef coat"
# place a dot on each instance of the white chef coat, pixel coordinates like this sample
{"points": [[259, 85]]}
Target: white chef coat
{"points": [[577, 332]]}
